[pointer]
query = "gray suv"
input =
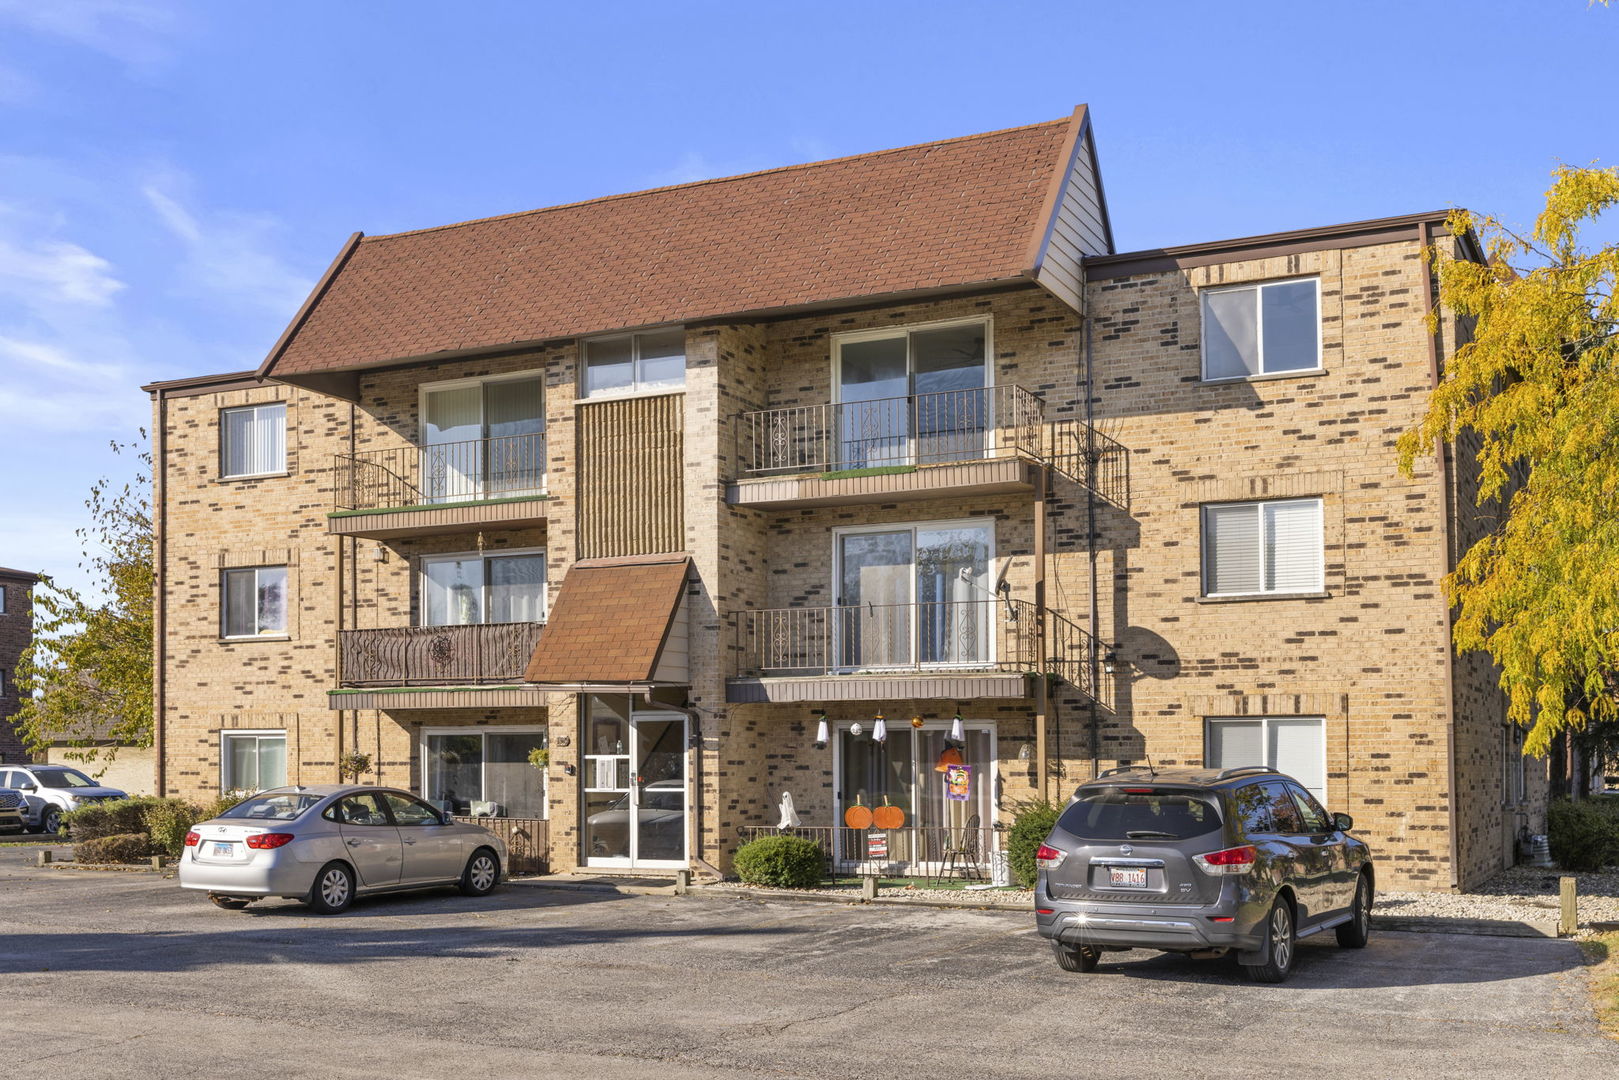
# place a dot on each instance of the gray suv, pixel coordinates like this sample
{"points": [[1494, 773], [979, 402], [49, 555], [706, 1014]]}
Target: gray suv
{"points": [[1204, 862]]}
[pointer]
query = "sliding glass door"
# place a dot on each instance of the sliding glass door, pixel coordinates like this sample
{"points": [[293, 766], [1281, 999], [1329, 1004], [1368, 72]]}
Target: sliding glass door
{"points": [[913, 397], [915, 596], [483, 440]]}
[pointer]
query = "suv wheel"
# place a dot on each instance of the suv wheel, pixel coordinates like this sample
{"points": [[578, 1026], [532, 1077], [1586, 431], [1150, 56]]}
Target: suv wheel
{"points": [[1280, 944], [1076, 957], [1358, 930], [50, 820]]}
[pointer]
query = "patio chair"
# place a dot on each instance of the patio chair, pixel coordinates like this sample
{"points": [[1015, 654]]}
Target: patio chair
{"points": [[961, 858]]}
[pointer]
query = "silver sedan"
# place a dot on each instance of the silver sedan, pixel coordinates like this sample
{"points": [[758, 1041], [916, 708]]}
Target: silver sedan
{"points": [[328, 843]]}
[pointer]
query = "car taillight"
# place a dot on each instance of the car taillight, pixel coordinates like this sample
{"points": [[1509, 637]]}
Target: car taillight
{"points": [[193, 839], [1047, 857], [269, 839], [1236, 860]]}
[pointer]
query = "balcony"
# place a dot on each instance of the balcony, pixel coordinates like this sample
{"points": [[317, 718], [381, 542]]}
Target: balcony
{"points": [[436, 666], [949, 649], [440, 488], [961, 443]]}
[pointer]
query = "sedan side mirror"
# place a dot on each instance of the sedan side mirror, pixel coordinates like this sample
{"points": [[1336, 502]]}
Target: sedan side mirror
{"points": [[1343, 822]]}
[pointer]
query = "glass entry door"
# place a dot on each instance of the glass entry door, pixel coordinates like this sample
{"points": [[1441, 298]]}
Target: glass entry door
{"points": [[901, 772], [483, 440], [636, 799], [918, 596]]}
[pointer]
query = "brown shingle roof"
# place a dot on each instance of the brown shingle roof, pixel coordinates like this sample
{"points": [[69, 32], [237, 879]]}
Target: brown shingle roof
{"points": [[941, 215], [609, 622]]}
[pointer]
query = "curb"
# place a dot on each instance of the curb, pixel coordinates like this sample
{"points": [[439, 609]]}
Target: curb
{"points": [[109, 868]]}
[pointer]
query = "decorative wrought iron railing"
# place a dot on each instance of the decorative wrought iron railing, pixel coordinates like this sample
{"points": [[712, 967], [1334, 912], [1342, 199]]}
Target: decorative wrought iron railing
{"points": [[1075, 655], [1086, 456], [922, 429], [953, 635], [528, 849], [487, 653], [505, 467]]}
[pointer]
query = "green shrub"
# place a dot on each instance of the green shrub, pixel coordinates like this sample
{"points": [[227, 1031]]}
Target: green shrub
{"points": [[167, 823], [118, 818], [1584, 835], [121, 848], [781, 862], [1029, 830]]}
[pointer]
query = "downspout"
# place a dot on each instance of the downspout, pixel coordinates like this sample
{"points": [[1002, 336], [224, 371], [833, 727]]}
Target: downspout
{"points": [[1042, 688], [1090, 546], [337, 648], [160, 559], [1424, 239]]}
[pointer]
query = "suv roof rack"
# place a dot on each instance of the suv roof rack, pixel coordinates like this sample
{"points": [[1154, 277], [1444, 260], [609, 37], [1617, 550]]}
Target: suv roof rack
{"points": [[1242, 770], [1124, 768]]}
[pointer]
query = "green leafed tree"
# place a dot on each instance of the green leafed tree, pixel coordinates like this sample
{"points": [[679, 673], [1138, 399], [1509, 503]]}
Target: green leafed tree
{"points": [[87, 676], [1535, 386]]}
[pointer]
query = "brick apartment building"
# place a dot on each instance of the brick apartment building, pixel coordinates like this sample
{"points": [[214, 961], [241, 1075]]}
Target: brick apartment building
{"points": [[690, 487], [16, 631]]}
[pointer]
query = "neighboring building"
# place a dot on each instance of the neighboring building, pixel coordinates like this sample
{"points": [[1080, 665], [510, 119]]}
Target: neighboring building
{"points": [[112, 763], [16, 631], [890, 435]]}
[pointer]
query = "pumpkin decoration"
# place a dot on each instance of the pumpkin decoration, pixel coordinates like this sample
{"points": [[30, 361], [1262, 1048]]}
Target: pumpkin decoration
{"points": [[888, 817], [857, 816]]}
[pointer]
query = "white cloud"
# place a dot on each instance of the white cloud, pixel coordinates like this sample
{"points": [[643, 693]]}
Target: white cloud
{"points": [[55, 272], [227, 255], [134, 31]]}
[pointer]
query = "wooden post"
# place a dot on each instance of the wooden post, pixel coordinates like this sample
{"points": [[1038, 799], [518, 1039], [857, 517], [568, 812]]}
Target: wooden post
{"points": [[158, 862], [42, 858], [1568, 919]]}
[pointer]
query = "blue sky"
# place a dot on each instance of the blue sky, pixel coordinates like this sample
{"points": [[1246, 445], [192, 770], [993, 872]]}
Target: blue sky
{"points": [[174, 176]]}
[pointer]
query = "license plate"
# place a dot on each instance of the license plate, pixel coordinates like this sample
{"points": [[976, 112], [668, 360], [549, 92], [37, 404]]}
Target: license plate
{"points": [[226, 850], [1127, 877]]}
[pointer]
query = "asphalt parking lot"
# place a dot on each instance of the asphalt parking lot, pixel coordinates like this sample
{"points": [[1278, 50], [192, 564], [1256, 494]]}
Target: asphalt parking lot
{"points": [[122, 975]]}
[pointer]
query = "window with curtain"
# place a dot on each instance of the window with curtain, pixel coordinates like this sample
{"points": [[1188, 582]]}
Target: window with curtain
{"points": [[253, 440], [461, 590], [255, 602], [1263, 547], [1261, 329], [253, 760], [636, 363], [485, 772], [1289, 744]]}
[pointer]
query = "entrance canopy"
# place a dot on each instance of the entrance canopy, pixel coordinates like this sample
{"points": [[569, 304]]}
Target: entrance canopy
{"points": [[616, 623]]}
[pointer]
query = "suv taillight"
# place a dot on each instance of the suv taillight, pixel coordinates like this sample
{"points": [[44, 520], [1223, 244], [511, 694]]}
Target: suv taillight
{"points": [[1235, 860], [1047, 857], [193, 839], [269, 840]]}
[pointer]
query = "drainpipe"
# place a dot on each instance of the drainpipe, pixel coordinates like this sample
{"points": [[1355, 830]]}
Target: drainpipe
{"points": [[1424, 238], [337, 648], [1090, 545], [1042, 689], [160, 540]]}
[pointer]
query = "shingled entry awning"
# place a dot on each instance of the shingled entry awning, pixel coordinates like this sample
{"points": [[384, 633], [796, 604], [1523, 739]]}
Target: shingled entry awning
{"points": [[616, 622]]}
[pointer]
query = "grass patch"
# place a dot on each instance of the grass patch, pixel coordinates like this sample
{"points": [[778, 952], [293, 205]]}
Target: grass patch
{"points": [[1602, 953], [875, 470]]}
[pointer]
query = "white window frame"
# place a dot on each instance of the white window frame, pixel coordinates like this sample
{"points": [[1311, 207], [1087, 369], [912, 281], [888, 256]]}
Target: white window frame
{"points": [[224, 440], [236, 733], [286, 603], [1259, 505], [4, 591], [425, 389], [1256, 287], [483, 774], [1264, 741], [988, 523], [483, 597], [637, 387], [844, 337]]}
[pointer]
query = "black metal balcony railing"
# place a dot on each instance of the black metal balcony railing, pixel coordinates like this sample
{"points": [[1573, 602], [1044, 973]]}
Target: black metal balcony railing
{"points": [[984, 634], [508, 466], [1088, 457], [923, 429], [489, 653]]}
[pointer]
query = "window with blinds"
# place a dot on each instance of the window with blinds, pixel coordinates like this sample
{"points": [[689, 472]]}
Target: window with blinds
{"points": [[1293, 745], [1263, 547], [253, 440]]}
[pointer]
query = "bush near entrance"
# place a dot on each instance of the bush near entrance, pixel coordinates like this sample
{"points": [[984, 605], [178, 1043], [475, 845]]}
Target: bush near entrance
{"points": [[1584, 834], [781, 862], [1029, 830], [163, 823], [119, 848]]}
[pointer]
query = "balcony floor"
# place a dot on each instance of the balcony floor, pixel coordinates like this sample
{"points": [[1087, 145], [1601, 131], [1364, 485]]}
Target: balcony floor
{"points": [[434, 519], [992, 476], [942, 686]]}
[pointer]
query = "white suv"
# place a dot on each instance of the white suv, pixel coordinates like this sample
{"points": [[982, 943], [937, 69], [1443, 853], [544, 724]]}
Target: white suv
{"points": [[49, 791]]}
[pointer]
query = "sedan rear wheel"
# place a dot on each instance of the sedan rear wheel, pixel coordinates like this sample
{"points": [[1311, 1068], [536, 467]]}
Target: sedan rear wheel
{"points": [[1281, 941], [482, 873], [1358, 930], [1076, 957], [333, 890]]}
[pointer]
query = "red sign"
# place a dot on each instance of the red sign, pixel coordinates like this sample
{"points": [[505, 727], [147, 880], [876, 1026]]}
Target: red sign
{"points": [[876, 845]]}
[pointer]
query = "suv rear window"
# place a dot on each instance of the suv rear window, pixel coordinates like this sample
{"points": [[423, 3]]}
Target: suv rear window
{"points": [[1117, 814]]}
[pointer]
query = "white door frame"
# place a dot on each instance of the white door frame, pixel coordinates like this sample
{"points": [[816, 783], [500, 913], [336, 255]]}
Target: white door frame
{"points": [[480, 381], [632, 824]]}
